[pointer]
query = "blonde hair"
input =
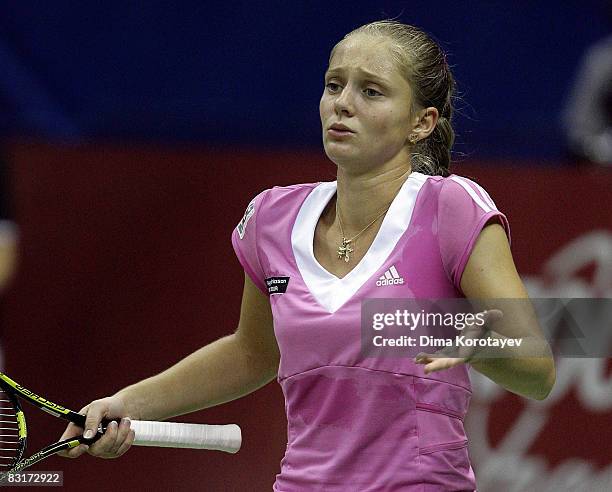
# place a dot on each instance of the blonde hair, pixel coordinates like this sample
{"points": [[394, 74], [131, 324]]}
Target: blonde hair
{"points": [[423, 63]]}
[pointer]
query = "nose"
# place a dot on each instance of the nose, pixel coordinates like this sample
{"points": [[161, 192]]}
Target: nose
{"points": [[343, 104]]}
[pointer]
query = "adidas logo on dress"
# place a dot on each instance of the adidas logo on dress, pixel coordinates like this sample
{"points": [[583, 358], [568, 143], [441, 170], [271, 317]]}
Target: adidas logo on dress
{"points": [[391, 277]]}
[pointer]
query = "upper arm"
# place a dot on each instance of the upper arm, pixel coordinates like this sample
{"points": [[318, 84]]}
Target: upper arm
{"points": [[490, 272], [255, 330], [256, 327]]}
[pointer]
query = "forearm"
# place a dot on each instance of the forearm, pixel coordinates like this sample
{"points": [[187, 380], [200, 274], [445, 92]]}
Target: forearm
{"points": [[529, 372], [219, 372]]}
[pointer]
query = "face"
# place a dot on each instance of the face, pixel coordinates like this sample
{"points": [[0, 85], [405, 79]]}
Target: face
{"points": [[365, 91]]}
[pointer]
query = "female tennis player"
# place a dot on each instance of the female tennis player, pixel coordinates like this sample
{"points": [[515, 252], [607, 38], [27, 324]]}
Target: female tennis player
{"points": [[395, 224]]}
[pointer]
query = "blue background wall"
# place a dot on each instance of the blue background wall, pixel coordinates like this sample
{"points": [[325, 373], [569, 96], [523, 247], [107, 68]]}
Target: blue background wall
{"points": [[251, 73]]}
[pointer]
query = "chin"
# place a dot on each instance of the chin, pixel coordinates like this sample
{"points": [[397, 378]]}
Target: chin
{"points": [[340, 151], [346, 161], [339, 157]]}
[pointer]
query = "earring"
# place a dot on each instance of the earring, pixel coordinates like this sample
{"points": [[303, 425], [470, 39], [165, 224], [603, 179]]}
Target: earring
{"points": [[413, 138]]}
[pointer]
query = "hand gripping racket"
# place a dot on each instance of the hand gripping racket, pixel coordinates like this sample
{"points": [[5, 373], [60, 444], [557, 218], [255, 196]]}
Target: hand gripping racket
{"points": [[13, 432]]}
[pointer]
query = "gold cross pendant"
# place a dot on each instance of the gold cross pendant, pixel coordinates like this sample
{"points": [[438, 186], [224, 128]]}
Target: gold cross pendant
{"points": [[345, 250]]}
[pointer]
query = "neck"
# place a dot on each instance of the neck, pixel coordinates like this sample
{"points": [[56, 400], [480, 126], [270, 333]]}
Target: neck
{"points": [[362, 197]]}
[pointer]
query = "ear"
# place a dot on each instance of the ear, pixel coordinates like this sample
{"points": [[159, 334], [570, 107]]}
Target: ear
{"points": [[425, 122]]}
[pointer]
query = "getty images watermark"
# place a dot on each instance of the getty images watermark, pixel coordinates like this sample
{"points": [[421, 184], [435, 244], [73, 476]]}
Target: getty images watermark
{"points": [[486, 328]]}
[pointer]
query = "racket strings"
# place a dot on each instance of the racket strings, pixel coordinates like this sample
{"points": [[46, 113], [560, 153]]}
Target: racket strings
{"points": [[10, 444]]}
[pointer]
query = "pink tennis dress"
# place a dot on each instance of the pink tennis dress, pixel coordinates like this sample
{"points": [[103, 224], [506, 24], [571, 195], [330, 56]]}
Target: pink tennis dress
{"points": [[360, 423]]}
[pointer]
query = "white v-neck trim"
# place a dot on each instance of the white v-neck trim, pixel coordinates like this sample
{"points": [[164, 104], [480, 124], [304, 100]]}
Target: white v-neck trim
{"points": [[330, 291]]}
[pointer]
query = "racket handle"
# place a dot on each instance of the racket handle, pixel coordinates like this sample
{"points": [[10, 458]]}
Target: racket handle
{"points": [[226, 438]]}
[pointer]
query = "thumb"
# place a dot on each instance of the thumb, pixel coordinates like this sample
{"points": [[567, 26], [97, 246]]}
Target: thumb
{"points": [[92, 421], [493, 315]]}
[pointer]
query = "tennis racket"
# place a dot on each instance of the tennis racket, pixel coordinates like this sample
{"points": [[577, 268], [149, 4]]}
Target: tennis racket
{"points": [[13, 431]]}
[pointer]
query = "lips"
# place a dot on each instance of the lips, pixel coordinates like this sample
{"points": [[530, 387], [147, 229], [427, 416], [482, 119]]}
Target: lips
{"points": [[341, 128], [338, 131]]}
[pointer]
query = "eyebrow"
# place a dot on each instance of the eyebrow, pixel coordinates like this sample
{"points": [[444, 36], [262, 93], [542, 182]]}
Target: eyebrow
{"points": [[369, 75]]}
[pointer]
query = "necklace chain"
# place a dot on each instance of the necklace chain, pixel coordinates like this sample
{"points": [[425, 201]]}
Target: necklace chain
{"points": [[345, 250]]}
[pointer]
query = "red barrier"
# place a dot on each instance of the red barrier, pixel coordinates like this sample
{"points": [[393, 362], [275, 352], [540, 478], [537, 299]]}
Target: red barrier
{"points": [[126, 265]]}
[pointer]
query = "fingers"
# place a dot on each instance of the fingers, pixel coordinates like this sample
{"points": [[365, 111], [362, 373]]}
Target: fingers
{"points": [[123, 433], [452, 356], [127, 443], [423, 358], [74, 452], [72, 431], [116, 440], [434, 362], [442, 364]]}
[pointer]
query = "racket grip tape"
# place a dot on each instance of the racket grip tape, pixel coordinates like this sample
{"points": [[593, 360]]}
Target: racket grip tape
{"points": [[226, 438]]}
